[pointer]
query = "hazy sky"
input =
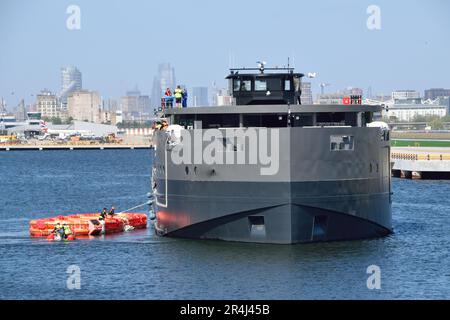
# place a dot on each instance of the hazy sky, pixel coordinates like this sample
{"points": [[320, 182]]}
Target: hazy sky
{"points": [[120, 43]]}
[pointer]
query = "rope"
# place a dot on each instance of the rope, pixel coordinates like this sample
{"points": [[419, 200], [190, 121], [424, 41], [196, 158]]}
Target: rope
{"points": [[141, 205]]}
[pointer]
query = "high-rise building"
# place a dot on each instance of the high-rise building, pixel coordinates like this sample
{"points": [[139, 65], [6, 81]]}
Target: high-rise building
{"points": [[21, 111], [70, 81], [48, 104], [85, 106], [130, 101], [435, 93], [135, 102], [111, 104], [306, 93], [163, 80], [199, 97], [144, 105]]}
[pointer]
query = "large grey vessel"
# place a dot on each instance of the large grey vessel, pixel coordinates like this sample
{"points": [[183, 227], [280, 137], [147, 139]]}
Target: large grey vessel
{"points": [[268, 169]]}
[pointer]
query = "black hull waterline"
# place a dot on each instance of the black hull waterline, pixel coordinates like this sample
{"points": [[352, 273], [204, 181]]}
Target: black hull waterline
{"points": [[274, 213]]}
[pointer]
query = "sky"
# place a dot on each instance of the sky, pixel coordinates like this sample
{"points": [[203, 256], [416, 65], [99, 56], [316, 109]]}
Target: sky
{"points": [[121, 42]]}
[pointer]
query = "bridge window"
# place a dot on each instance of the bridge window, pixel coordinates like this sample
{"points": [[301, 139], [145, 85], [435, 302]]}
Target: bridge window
{"points": [[218, 120], [303, 120], [337, 119], [242, 85], [260, 85], [265, 121], [287, 85], [331, 119], [342, 143], [246, 85], [236, 85]]}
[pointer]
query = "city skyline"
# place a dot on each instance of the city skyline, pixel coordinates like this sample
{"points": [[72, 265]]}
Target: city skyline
{"points": [[337, 44]]}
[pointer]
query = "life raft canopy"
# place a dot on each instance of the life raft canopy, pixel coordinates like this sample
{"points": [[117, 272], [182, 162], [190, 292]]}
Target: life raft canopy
{"points": [[87, 224]]}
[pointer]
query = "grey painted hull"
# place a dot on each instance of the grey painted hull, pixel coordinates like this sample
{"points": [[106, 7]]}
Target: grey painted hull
{"points": [[316, 195]]}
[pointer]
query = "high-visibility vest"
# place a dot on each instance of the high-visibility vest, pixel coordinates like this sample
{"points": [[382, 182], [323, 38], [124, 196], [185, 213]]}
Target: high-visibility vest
{"points": [[178, 93]]}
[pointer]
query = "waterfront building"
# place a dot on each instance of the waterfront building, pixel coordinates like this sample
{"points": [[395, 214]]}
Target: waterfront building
{"points": [[406, 97], [129, 103], [144, 104], [116, 117], [409, 112], [222, 97], [434, 93], [48, 105], [306, 97], [337, 97], [85, 105], [21, 111], [135, 102], [330, 98]]}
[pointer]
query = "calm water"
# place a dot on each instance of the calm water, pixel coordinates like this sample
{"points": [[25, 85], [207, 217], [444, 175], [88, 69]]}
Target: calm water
{"points": [[414, 262]]}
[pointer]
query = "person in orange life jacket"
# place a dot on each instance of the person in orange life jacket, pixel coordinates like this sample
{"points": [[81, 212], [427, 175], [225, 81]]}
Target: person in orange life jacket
{"points": [[169, 98]]}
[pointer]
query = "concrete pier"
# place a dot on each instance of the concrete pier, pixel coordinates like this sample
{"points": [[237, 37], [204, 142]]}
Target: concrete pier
{"points": [[422, 163], [30, 147]]}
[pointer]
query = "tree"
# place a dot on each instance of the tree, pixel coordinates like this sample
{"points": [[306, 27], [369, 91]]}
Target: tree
{"points": [[69, 120], [419, 118], [437, 124], [56, 120]]}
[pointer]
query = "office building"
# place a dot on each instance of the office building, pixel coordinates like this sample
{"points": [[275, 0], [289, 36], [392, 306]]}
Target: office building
{"points": [[48, 105], [306, 97], [164, 79], [71, 81], [433, 94], [85, 105]]}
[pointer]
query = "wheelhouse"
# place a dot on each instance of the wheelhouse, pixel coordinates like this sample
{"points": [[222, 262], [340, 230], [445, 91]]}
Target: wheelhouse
{"points": [[277, 87], [271, 98]]}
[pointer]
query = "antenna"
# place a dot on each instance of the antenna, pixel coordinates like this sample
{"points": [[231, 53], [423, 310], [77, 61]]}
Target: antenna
{"points": [[261, 65]]}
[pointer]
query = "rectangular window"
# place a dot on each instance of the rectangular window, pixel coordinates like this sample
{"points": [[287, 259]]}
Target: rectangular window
{"points": [[303, 120], [274, 84], [287, 85], [237, 85], [342, 143], [260, 85], [246, 85]]}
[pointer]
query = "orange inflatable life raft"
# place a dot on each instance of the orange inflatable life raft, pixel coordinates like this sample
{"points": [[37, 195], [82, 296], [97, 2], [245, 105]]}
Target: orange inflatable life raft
{"points": [[88, 224]]}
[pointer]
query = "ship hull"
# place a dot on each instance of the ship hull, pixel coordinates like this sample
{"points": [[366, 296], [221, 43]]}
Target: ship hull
{"points": [[284, 213], [316, 195]]}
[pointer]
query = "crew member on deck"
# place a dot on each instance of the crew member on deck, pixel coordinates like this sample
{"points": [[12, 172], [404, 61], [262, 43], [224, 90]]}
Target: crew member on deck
{"points": [[67, 231], [178, 96], [169, 98], [184, 99], [298, 90], [112, 212], [103, 214]]}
